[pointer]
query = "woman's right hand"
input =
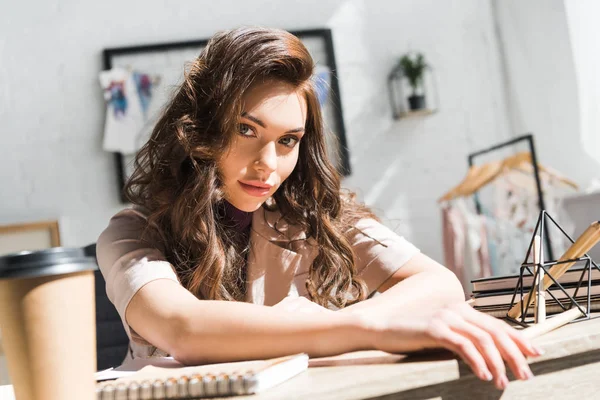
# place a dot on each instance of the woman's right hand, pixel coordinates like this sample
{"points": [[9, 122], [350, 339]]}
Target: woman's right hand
{"points": [[482, 341]]}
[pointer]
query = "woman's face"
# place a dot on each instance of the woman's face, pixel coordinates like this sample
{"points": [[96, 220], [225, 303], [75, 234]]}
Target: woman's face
{"points": [[265, 149]]}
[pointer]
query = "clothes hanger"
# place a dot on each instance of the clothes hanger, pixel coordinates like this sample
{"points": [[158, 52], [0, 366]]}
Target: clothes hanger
{"points": [[479, 176], [527, 167], [522, 162]]}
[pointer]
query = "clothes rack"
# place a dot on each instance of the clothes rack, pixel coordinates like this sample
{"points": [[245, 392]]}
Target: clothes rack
{"points": [[528, 138]]}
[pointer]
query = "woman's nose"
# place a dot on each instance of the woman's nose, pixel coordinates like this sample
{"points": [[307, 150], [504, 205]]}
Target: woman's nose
{"points": [[267, 160]]}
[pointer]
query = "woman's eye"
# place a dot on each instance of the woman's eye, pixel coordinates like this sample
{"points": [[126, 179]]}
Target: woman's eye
{"points": [[289, 141], [245, 130]]}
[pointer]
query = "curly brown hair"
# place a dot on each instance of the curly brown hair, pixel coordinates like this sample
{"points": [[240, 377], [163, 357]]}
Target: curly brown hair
{"points": [[177, 181]]}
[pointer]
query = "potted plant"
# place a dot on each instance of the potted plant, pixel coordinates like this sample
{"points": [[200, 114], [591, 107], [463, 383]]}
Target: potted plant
{"points": [[413, 68]]}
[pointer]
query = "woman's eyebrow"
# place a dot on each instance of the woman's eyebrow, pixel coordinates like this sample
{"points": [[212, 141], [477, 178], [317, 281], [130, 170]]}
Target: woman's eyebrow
{"points": [[262, 124]]}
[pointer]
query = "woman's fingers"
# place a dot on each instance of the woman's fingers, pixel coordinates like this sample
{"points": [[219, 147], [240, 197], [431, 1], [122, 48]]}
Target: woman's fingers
{"points": [[482, 319], [466, 350], [512, 346], [513, 355], [524, 344], [483, 342], [495, 342]]}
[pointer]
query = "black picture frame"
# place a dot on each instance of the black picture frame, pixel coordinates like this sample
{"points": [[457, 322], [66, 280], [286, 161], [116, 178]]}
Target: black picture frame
{"points": [[318, 41]]}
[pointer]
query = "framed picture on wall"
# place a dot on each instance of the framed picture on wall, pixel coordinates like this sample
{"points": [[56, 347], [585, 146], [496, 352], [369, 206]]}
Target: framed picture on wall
{"points": [[155, 71], [29, 236]]}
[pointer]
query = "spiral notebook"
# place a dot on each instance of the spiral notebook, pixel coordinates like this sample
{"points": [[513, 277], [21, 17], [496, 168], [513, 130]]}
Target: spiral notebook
{"points": [[227, 379]]}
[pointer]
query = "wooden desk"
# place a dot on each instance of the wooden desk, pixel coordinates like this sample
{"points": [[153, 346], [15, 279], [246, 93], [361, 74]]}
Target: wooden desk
{"points": [[569, 369]]}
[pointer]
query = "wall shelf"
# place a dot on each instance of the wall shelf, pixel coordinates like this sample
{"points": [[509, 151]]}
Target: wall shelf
{"points": [[403, 96], [416, 113]]}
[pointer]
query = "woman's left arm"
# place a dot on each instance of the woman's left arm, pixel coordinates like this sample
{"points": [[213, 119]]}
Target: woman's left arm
{"points": [[420, 286]]}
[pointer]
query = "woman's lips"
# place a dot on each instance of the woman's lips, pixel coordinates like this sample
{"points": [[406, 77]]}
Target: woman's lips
{"points": [[257, 191]]}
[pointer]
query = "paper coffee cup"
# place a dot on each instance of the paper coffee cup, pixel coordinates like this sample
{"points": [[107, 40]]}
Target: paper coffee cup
{"points": [[47, 318]]}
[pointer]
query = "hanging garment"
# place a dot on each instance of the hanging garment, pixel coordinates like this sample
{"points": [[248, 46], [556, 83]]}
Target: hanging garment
{"points": [[453, 235], [465, 243], [516, 211]]}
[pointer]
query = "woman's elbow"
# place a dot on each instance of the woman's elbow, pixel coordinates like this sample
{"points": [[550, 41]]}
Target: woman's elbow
{"points": [[190, 347], [180, 344], [452, 288]]}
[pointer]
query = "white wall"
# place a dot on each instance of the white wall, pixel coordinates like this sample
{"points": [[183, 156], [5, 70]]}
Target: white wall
{"points": [[51, 108], [582, 17], [544, 94], [402, 168]]}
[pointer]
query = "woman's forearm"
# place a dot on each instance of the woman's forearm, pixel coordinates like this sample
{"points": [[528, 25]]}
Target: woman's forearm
{"points": [[227, 331], [425, 291], [220, 331]]}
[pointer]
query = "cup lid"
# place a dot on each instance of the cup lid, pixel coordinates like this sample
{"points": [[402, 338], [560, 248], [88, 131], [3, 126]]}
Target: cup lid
{"points": [[54, 261]]}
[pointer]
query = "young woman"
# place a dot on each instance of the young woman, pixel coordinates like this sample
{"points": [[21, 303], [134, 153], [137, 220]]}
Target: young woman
{"points": [[241, 245]]}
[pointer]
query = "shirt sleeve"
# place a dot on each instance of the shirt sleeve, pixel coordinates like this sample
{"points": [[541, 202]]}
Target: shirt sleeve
{"points": [[127, 262], [379, 252]]}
